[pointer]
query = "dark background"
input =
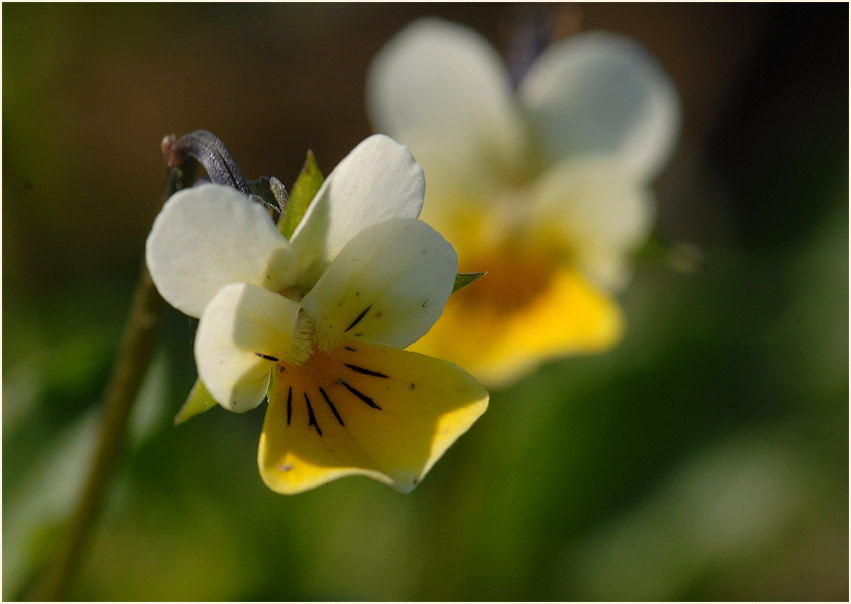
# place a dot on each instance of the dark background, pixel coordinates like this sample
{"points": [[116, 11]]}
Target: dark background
{"points": [[704, 458]]}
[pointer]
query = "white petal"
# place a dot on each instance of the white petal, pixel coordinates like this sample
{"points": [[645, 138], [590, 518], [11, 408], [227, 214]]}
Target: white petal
{"points": [[378, 180], [601, 93], [388, 286], [438, 83], [209, 236], [597, 211], [241, 323]]}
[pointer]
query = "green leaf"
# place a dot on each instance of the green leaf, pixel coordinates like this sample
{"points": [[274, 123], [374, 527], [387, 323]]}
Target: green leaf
{"points": [[198, 401], [464, 279], [304, 190]]}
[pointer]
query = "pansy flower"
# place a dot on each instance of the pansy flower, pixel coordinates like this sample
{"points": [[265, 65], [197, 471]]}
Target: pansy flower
{"points": [[544, 184], [318, 323]]}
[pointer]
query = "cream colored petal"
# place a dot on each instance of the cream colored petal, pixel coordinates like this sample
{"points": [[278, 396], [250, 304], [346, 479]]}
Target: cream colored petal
{"points": [[599, 93], [364, 410], [387, 286], [378, 180], [443, 90], [523, 312], [595, 212], [242, 332], [209, 236]]}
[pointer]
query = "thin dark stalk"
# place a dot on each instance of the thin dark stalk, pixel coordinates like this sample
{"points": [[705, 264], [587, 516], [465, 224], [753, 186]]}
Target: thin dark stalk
{"points": [[131, 364]]}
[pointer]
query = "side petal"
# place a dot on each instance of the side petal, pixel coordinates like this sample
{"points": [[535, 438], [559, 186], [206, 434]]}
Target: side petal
{"points": [[378, 180], [519, 315], [603, 94], [441, 86], [594, 211], [209, 236], [368, 410], [387, 286], [243, 331]]}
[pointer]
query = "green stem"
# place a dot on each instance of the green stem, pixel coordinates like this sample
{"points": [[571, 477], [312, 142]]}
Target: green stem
{"points": [[131, 364]]}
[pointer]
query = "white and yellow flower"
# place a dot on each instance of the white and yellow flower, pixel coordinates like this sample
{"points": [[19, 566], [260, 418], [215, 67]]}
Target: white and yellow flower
{"points": [[545, 186], [318, 322]]}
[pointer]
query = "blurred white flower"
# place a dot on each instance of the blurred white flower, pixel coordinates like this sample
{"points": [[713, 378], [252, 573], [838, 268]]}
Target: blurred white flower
{"points": [[545, 187]]}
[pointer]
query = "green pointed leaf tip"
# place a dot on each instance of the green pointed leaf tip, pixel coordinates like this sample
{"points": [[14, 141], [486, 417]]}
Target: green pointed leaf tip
{"points": [[198, 401], [464, 279], [304, 190]]}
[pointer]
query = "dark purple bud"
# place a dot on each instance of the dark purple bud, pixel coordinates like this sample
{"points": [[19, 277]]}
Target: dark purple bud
{"points": [[210, 152]]}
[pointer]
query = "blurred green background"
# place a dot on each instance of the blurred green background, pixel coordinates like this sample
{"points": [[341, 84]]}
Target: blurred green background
{"points": [[704, 458]]}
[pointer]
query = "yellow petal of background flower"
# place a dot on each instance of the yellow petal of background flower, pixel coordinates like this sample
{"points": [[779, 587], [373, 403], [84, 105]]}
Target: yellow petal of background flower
{"points": [[364, 410], [518, 315]]}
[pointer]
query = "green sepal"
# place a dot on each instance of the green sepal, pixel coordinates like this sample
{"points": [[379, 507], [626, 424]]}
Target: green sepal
{"points": [[304, 190], [198, 401], [464, 279]]}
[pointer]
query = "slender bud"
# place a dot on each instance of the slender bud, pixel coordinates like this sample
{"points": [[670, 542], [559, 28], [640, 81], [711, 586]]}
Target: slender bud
{"points": [[206, 148], [210, 152]]}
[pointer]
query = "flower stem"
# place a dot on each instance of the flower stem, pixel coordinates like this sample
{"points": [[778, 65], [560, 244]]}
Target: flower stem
{"points": [[131, 364]]}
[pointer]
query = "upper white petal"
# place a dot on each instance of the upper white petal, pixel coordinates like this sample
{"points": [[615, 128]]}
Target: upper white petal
{"points": [[209, 236], [378, 180], [597, 211], [440, 85], [241, 323], [602, 93], [388, 285]]}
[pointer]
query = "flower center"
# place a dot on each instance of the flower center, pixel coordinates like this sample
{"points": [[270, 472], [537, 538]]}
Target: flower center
{"points": [[323, 391], [301, 345], [512, 281]]}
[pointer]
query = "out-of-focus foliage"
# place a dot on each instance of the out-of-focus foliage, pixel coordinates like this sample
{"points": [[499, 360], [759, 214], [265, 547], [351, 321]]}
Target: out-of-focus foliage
{"points": [[704, 458]]}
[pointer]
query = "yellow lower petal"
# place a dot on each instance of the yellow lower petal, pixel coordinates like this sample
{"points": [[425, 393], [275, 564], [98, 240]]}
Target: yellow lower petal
{"points": [[519, 314], [379, 412]]}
